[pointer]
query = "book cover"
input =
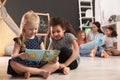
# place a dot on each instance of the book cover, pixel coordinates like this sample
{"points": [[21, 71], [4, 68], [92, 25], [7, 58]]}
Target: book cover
{"points": [[42, 55]]}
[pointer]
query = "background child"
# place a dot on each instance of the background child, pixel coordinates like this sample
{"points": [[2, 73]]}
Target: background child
{"points": [[110, 40], [64, 40], [82, 37], [18, 65]]}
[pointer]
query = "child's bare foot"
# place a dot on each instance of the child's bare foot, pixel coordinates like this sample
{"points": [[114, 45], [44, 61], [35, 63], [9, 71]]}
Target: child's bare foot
{"points": [[66, 70], [104, 54], [27, 75], [93, 52], [45, 74]]}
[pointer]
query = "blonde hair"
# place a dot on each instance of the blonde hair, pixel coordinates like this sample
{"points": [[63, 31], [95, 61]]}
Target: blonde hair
{"points": [[29, 17], [79, 36]]}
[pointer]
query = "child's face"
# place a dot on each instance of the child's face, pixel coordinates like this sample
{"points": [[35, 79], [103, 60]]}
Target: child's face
{"points": [[30, 30], [57, 32], [83, 36], [108, 32]]}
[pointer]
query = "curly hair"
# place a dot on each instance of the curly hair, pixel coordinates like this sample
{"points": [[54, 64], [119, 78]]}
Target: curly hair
{"points": [[114, 33], [63, 23]]}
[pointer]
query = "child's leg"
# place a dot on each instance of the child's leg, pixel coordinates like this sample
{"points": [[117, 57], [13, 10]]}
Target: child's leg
{"points": [[20, 69], [115, 52], [93, 52], [51, 67], [101, 52], [104, 54], [64, 55]]}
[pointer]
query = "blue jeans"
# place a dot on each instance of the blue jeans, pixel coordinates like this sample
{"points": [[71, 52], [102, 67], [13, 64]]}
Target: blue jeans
{"points": [[99, 50], [86, 52]]}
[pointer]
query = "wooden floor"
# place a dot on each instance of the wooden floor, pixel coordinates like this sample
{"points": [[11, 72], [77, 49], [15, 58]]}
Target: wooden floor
{"points": [[89, 69]]}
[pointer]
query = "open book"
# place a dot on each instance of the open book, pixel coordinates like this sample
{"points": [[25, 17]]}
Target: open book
{"points": [[42, 55]]}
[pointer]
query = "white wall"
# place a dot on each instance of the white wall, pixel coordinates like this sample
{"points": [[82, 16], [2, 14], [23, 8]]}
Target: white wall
{"points": [[105, 8]]}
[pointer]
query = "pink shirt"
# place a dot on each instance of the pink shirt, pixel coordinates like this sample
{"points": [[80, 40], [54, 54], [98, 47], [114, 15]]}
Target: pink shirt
{"points": [[81, 42]]}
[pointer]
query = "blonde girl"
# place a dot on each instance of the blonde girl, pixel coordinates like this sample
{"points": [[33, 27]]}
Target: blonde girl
{"points": [[18, 65], [82, 38]]}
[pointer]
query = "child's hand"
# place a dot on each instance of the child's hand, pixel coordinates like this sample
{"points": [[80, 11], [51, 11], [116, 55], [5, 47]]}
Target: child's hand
{"points": [[23, 56], [62, 66], [56, 59], [65, 69]]}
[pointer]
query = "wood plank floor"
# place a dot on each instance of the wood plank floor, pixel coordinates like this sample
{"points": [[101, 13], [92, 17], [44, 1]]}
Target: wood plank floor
{"points": [[89, 69]]}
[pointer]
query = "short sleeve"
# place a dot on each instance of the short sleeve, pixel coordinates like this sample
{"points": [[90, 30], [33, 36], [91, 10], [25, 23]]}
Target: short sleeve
{"points": [[115, 40], [71, 37]]}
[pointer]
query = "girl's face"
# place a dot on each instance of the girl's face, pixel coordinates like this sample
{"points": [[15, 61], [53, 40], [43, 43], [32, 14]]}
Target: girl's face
{"points": [[94, 28], [83, 36], [57, 32], [30, 30], [108, 32]]}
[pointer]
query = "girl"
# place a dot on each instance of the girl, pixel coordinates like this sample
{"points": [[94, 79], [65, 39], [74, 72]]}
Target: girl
{"points": [[82, 38], [110, 38], [64, 40], [111, 41], [18, 65]]}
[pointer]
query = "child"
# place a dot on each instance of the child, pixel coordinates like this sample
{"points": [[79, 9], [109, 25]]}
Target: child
{"points": [[110, 40], [64, 40], [18, 65], [81, 38]]}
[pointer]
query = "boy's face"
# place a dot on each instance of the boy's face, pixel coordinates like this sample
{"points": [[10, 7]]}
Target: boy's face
{"points": [[30, 30], [57, 32]]}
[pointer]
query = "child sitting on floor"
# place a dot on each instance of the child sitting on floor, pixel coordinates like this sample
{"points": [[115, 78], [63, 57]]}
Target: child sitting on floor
{"points": [[63, 39], [18, 64]]}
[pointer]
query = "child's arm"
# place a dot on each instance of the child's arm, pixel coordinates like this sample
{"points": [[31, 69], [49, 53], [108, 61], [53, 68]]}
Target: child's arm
{"points": [[16, 49], [115, 45], [74, 55], [42, 47]]}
